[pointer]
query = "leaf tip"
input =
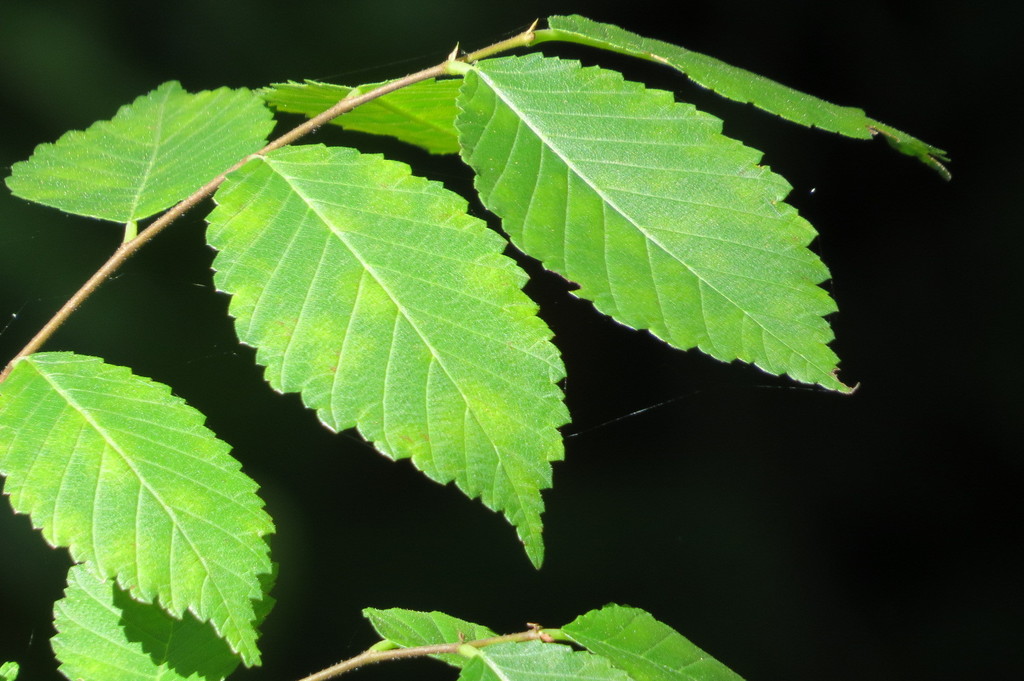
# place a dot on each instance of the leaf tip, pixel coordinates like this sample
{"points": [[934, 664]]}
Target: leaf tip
{"points": [[931, 156], [533, 543]]}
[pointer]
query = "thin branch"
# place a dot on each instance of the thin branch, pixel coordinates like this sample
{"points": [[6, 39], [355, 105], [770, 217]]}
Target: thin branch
{"points": [[127, 249], [372, 656]]}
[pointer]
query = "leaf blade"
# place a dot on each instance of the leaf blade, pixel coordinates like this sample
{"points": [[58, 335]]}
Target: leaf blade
{"points": [[744, 86], [103, 634], [151, 154], [409, 628], [665, 224], [537, 661], [376, 297], [422, 114], [125, 475], [648, 650]]}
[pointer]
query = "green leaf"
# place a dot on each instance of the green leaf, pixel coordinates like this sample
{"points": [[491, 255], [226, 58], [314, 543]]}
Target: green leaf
{"points": [[105, 635], [632, 640], [373, 294], [741, 85], [666, 224], [537, 661], [408, 628], [422, 114], [153, 153], [8, 671], [124, 474]]}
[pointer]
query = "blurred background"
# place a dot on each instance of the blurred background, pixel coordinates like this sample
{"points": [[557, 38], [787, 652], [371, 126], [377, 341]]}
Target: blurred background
{"points": [[792, 533]]}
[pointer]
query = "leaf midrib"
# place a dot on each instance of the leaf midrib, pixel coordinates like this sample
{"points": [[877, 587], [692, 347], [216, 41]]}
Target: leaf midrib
{"points": [[154, 150]]}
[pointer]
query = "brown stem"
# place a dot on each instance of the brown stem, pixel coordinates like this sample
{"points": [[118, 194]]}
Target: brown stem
{"points": [[127, 249], [373, 656]]}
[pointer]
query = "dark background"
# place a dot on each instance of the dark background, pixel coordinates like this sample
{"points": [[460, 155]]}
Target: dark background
{"points": [[792, 533]]}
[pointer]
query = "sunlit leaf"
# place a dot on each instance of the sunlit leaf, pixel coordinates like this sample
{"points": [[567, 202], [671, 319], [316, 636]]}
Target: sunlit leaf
{"points": [[153, 153], [373, 294], [422, 114], [8, 671], [632, 640], [742, 85], [124, 474], [666, 224]]}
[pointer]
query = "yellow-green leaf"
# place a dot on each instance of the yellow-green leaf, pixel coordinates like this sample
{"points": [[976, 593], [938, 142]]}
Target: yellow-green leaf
{"points": [[127, 477], [153, 153], [666, 224], [374, 295]]}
